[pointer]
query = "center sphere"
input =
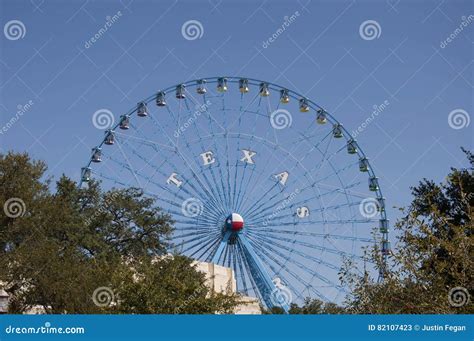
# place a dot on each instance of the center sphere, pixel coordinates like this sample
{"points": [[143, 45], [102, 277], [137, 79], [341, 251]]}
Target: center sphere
{"points": [[234, 222]]}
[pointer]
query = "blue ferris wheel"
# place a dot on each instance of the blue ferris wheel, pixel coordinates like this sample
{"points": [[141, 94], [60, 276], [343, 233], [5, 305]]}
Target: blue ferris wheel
{"points": [[256, 177]]}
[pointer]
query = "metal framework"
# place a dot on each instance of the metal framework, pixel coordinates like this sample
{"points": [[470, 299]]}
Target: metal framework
{"points": [[286, 165]]}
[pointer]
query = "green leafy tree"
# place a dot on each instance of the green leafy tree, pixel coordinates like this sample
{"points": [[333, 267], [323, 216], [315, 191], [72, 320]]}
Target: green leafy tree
{"points": [[167, 286], [433, 262], [315, 306]]}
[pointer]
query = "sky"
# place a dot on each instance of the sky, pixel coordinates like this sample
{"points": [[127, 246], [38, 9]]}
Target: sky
{"points": [[413, 59]]}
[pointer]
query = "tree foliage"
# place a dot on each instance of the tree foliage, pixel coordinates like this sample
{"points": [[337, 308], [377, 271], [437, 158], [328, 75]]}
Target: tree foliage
{"points": [[434, 257], [315, 306], [69, 242]]}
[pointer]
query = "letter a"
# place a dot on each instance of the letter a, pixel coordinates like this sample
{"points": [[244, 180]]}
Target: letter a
{"points": [[282, 177]]}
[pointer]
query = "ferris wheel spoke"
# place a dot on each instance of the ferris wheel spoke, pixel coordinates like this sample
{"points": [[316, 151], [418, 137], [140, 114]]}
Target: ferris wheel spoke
{"points": [[222, 193], [316, 247], [193, 226], [154, 195], [271, 247], [254, 127], [228, 182], [192, 234], [339, 171], [205, 248], [265, 231], [239, 193], [263, 211], [208, 206], [258, 180], [242, 110], [157, 170], [296, 164], [205, 190], [261, 200], [320, 222], [143, 141], [200, 240], [130, 167], [270, 244], [266, 255], [202, 222]]}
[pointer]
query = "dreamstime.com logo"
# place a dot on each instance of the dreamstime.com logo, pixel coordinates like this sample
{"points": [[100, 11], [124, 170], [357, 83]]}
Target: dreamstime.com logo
{"points": [[465, 22], [46, 329], [458, 297], [281, 119], [103, 297], [192, 207], [281, 296], [103, 119], [192, 30], [370, 30], [14, 208], [458, 119], [14, 30], [21, 110], [368, 207]]}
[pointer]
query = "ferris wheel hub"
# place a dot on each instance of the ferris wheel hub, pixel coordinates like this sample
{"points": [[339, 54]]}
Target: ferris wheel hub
{"points": [[234, 222]]}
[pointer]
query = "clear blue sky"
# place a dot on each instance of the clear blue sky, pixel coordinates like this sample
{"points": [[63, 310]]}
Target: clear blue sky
{"points": [[321, 54]]}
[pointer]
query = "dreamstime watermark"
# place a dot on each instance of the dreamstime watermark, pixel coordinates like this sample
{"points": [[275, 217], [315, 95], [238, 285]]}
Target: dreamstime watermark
{"points": [[46, 329], [458, 119], [281, 296], [14, 208], [102, 209], [281, 206], [187, 301], [461, 209], [192, 207], [369, 207], [377, 110], [200, 108], [466, 21], [103, 119], [281, 119], [21, 110], [14, 30], [287, 21], [110, 21], [103, 297], [370, 30], [458, 297], [192, 30]]}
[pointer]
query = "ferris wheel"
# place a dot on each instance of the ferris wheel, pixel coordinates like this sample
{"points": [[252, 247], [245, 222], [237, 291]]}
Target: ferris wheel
{"points": [[257, 178]]}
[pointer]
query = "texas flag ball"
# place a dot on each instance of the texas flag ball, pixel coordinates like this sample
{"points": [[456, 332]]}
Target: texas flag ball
{"points": [[234, 222]]}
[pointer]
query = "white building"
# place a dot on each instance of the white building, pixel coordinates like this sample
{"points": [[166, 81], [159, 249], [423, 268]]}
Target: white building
{"points": [[221, 279]]}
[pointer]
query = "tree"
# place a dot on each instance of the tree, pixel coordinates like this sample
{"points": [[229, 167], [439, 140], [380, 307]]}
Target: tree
{"points": [[57, 248], [167, 286], [315, 306], [433, 263]]}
